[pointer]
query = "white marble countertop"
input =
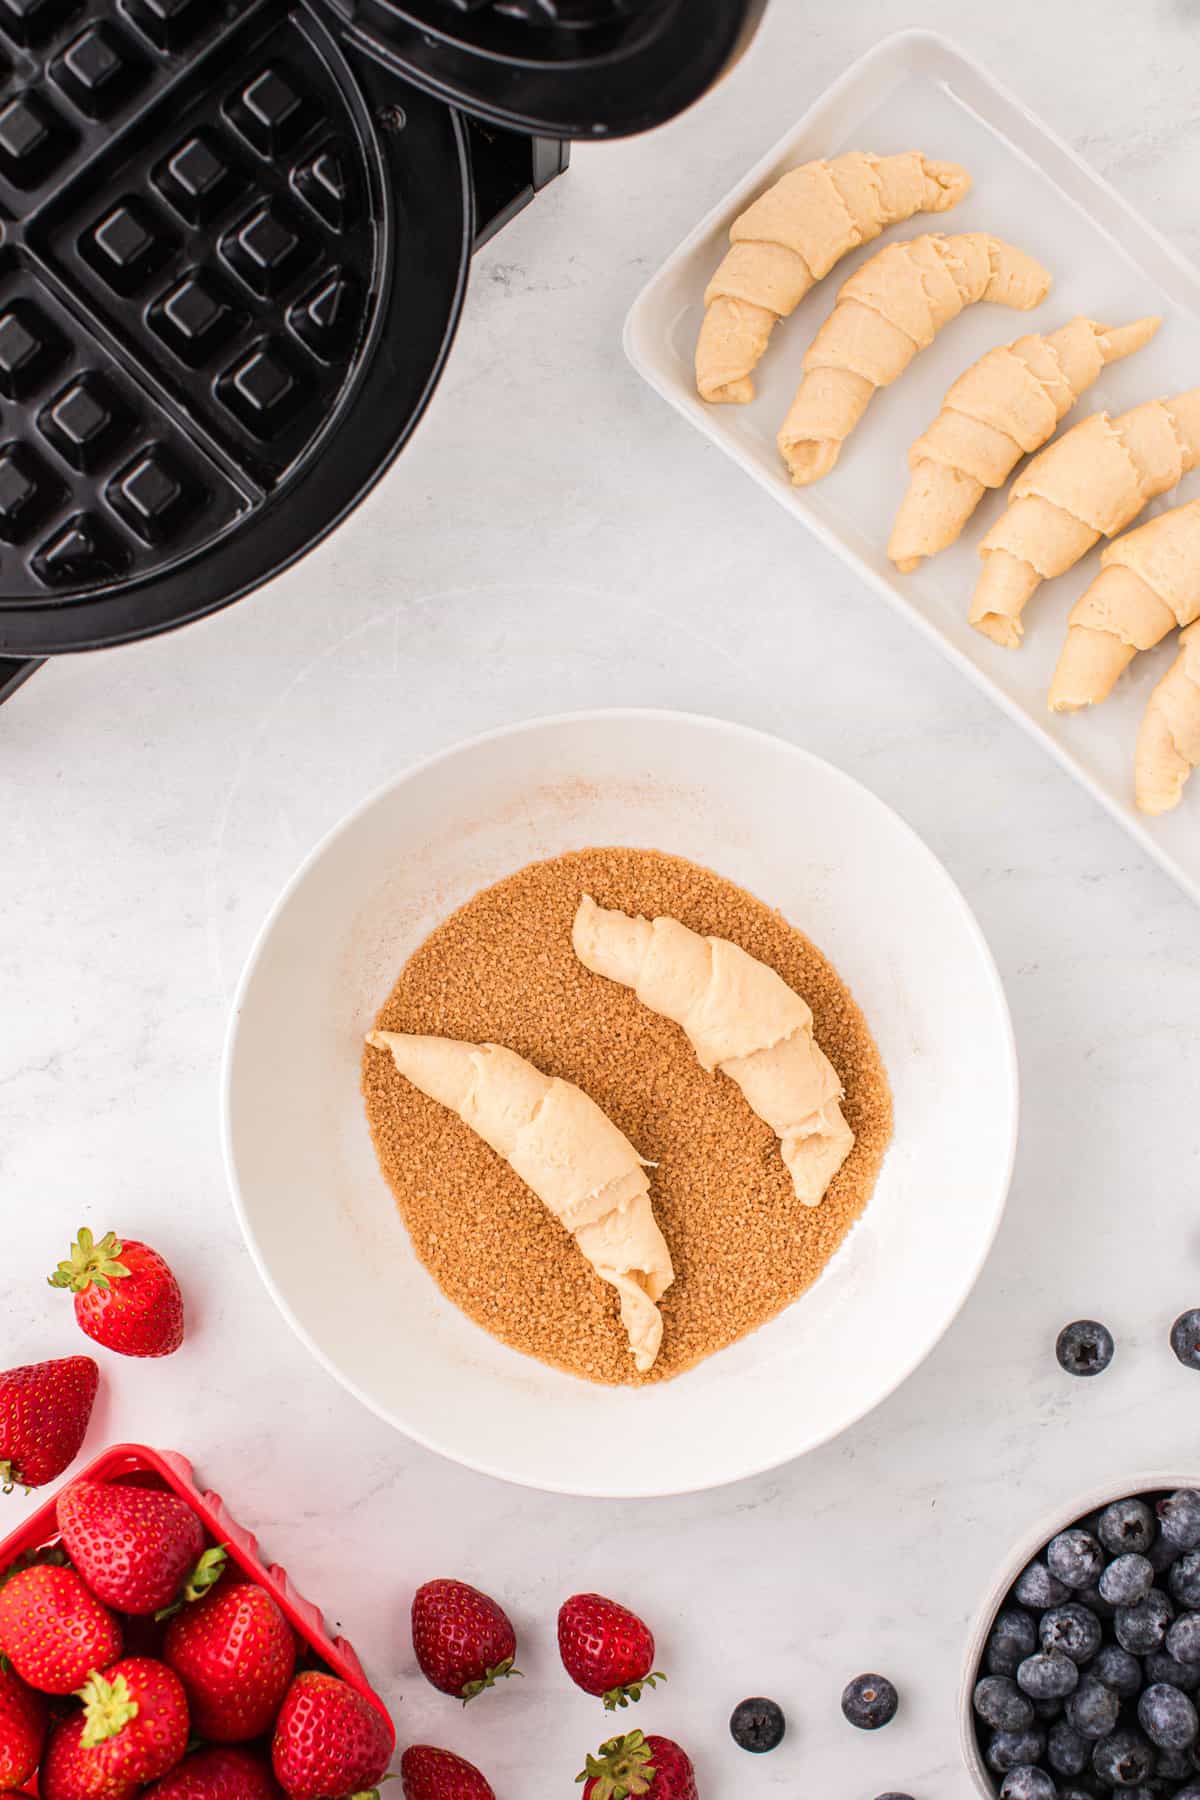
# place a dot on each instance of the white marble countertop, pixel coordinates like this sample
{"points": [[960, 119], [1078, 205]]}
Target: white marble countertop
{"points": [[555, 538]]}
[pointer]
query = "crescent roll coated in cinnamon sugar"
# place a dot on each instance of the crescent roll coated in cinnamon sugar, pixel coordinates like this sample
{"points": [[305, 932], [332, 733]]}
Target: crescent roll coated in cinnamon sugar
{"points": [[890, 308], [742, 1018], [569, 1152], [790, 237], [1004, 406]]}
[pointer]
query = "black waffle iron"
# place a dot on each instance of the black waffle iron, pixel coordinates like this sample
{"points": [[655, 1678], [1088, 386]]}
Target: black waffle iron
{"points": [[234, 243]]}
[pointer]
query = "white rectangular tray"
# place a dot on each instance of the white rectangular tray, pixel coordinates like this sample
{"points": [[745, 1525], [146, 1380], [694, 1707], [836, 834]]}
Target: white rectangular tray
{"points": [[918, 91]]}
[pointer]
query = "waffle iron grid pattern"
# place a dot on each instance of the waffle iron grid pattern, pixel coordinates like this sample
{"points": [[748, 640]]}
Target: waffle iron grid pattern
{"points": [[186, 267]]}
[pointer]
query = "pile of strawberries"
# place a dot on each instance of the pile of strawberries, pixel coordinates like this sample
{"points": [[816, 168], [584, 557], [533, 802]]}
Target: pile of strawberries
{"points": [[465, 1643], [133, 1639]]}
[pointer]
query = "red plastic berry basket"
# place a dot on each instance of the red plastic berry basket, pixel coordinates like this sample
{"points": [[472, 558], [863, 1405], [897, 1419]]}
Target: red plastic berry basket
{"points": [[166, 1468]]}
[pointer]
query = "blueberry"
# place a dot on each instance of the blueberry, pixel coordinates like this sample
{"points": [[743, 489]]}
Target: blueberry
{"points": [[1067, 1751], [1013, 1637], [1163, 1555], [1172, 1765], [1191, 1792], [1001, 1704], [1085, 1347], [1183, 1578], [1049, 1676], [1185, 1338], [1118, 1670], [1073, 1630], [1009, 1749], [1143, 1627], [1123, 1760], [1168, 1717], [1183, 1639], [1094, 1600], [1075, 1558], [1037, 1587], [895, 1797], [870, 1701], [1127, 1580], [1160, 1666], [1027, 1783], [758, 1725], [1048, 1710], [1126, 1525], [1179, 1518], [1092, 1709]]}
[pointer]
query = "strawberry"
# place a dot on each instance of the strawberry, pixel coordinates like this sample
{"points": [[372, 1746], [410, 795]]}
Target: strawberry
{"points": [[133, 1728], [636, 1765], [44, 1413], [53, 1631], [222, 1773], [463, 1641], [329, 1740], [235, 1654], [135, 1547], [126, 1297], [606, 1649], [22, 1730], [430, 1774]]}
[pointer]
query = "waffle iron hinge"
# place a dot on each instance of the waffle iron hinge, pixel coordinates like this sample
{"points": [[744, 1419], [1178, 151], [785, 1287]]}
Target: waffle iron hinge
{"points": [[507, 170]]}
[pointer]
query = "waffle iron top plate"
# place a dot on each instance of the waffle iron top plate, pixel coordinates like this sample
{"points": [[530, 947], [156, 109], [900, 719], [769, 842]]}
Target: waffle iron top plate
{"points": [[231, 265]]}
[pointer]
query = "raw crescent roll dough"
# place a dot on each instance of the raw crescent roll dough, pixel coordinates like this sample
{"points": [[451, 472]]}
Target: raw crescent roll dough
{"points": [[1001, 408], [569, 1152], [742, 1018], [1149, 582], [890, 308], [1168, 746], [791, 236], [1090, 483]]}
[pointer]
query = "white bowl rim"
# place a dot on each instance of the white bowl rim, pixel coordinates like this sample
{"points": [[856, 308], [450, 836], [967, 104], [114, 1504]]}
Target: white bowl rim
{"points": [[542, 722], [1036, 1538]]}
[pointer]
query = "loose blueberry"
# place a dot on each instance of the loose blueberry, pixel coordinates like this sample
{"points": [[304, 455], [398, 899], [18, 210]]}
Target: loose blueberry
{"points": [[1191, 1792], [1073, 1630], [1163, 1555], [1085, 1347], [1179, 1518], [1001, 1704], [1183, 1639], [1161, 1666], [1013, 1637], [1027, 1783], [1123, 1760], [1095, 1602], [1185, 1338], [1168, 1717], [758, 1725], [1118, 1670], [1093, 1709], [1009, 1749], [1047, 1711], [1049, 1676], [1075, 1558], [1067, 1751], [1037, 1587], [1143, 1627], [1183, 1579], [870, 1701], [1126, 1525], [1127, 1580], [1172, 1765], [895, 1797]]}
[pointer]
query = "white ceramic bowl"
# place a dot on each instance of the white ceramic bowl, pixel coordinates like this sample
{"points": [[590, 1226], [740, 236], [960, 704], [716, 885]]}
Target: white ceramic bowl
{"points": [[794, 831], [1031, 1545]]}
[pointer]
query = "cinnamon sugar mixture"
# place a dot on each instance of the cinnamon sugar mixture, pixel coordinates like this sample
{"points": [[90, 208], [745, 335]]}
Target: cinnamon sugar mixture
{"points": [[502, 969]]}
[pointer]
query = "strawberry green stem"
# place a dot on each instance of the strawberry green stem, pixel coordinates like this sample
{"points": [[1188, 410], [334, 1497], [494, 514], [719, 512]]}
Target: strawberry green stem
{"points": [[501, 1672], [91, 1264], [631, 1690], [107, 1709], [622, 1768]]}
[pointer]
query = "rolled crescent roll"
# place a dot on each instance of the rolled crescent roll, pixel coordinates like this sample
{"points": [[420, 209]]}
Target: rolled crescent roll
{"points": [[791, 236], [1168, 746], [740, 1017], [1090, 483], [582, 1168], [1149, 582], [889, 309], [1003, 407]]}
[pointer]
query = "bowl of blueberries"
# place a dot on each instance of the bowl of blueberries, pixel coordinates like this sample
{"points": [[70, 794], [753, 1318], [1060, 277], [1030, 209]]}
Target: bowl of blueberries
{"points": [[1083, 1671]]}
